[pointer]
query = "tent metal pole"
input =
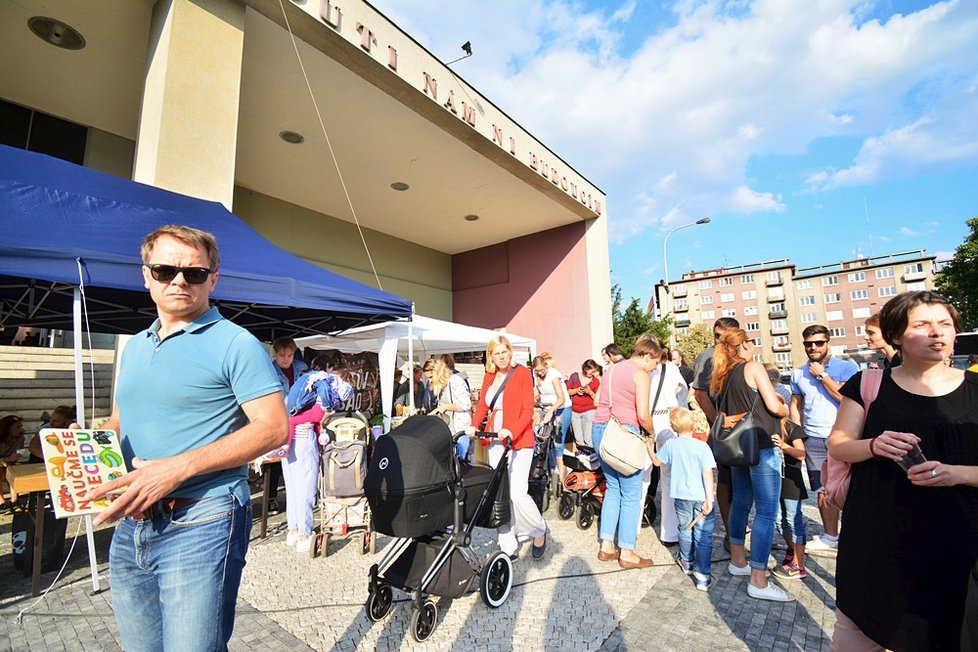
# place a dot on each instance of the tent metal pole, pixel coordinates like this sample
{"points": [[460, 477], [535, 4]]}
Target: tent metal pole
{"points": [[80, 416], [410, 352]]}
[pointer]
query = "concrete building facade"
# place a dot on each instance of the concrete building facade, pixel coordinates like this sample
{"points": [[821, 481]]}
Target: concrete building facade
{"points": [[332, 133], [774, 300]]}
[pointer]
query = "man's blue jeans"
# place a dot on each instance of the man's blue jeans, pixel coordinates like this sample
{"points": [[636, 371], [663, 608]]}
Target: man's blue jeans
{"points": [[175, 578], [697, 544], [619, 511], [760, 486]]}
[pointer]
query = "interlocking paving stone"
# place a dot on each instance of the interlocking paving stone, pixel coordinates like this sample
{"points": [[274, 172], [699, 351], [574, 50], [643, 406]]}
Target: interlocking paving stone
{"points": [[569, 600]]}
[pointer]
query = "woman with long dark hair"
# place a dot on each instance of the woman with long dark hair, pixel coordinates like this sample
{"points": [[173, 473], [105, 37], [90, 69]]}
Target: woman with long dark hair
{"points": [[742, 386], [909, 533]]}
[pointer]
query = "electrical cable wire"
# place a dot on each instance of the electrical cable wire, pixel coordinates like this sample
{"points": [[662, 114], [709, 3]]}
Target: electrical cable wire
{"points": [[329, 144]]}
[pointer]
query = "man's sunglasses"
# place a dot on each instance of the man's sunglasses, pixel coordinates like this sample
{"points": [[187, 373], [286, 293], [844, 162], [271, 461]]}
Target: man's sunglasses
{"points": [[814, 343], [166, 273]]}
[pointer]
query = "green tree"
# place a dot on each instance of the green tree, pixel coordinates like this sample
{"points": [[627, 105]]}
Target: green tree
{"points": [[633, 321], [694, 342], [958, 281]]}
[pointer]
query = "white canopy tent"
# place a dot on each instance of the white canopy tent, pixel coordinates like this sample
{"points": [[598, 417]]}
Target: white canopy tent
{"points": [[424, 336]]}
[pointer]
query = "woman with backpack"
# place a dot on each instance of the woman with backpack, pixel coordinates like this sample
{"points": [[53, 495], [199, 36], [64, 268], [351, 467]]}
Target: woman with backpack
{"points": [[910, 524]]}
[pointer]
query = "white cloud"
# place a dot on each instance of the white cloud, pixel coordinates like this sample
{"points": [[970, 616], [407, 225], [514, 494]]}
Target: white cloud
{"points": [[669, 124], [745, 200], [910, 233]]}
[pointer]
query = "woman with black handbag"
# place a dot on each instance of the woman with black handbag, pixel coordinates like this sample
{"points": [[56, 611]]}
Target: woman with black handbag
{"points": [[747, 399]]}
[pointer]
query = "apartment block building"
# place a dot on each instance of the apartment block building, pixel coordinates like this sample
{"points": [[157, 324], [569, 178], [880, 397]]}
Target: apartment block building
{"points": [[774, 300]]}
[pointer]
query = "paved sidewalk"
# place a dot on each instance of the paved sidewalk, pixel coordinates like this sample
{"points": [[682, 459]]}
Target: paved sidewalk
{"points": [[569, 600]]}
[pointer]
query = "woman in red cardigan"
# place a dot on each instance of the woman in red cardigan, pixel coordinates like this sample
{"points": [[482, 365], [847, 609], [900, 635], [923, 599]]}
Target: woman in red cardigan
{"points": [[511, 418]]}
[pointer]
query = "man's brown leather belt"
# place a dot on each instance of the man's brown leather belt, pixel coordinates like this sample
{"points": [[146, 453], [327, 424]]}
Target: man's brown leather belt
{"points": [[163, 507]]}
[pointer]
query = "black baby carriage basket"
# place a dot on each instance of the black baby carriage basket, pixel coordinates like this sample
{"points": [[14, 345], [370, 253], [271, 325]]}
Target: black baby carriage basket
{"points": [[423, 496], [582, 490]]}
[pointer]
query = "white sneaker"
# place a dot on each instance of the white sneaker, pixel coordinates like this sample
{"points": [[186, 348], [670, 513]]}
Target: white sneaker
{"points": [[291, 537], [737, 571], [303, 544], [821, 544], [770, 592]]}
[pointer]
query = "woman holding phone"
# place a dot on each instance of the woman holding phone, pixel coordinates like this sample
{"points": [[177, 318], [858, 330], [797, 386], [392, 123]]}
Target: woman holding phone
{"points": [[890, 591]]}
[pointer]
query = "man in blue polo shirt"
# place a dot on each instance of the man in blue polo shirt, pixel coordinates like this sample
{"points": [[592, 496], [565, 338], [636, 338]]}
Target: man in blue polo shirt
{"points": [[197, 398], [815, 395]]}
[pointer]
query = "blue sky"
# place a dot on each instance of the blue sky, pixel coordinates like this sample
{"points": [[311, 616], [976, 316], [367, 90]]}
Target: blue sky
{"points": [[815, 131]]}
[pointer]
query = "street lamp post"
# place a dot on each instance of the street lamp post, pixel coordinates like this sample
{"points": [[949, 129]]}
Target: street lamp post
{"points": [[665, 264]]}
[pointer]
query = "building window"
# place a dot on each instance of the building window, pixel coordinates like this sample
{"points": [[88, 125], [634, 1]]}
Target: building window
{"points": [[681, 304], [860, 313], [746, 279], [679, 289], [730, 312], [726, 297], [887, 291], [708, 315], [916, 286], [805, 285], [855, 277], [750, 310], [706, 285], [752, 326], [682, 331], [758, 343], [759, 357], [806, 300], [706, 298], [777, 307], [779, 323], [837, 332], [783, 358], [861, 330], [748, 294], [774, 276], [913, 268], [833, 298], [833, 315], [884, 272], [837, 350], [830, 280], [726, 281], [808, 317], [856, 295]]}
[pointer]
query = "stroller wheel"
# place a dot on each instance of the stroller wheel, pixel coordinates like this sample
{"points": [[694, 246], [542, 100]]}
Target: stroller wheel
{"points": [[379, 602], [325, 544], [423, 621], [566, 507], [496, 580], [545, 499], [585, 516]]}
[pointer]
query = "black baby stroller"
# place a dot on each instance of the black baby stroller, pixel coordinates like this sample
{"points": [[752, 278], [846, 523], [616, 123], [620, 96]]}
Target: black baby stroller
{"points": [[421, 494], [544, 485]]}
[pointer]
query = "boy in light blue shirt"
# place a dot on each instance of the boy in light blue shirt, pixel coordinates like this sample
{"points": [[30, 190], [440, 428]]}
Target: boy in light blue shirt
{"points": [[691, 486]]}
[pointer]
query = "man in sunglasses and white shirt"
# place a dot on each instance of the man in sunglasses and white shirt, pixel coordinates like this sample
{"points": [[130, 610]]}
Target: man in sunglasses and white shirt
{"points": [[815, 396], [197, 398]]}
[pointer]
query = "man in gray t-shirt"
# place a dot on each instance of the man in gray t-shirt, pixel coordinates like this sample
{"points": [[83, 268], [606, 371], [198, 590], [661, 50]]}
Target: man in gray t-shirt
{"points": [[702, 370]]}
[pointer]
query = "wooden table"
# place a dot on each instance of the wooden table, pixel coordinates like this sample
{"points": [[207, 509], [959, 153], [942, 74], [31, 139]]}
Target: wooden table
{"points": [[27, 479]]}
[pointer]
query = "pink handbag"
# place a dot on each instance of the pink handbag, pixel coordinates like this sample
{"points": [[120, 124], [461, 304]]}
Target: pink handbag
{"points": [[835, 474]]}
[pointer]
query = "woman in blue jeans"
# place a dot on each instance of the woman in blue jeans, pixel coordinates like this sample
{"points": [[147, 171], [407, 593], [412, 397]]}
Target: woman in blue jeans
{"points": [[742, 386], [625, 394]]}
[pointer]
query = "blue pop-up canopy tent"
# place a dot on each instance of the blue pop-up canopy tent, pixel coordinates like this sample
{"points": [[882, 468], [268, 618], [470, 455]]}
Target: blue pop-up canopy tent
{"points": [[65, 229], [62, 225]]}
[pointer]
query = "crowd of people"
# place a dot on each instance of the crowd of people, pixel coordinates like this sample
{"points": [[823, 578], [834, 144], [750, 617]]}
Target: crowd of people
{"points": [[906, 531]]}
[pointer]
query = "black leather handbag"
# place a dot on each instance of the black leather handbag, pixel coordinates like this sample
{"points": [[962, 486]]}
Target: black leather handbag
{"points": [[733, 437]]}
